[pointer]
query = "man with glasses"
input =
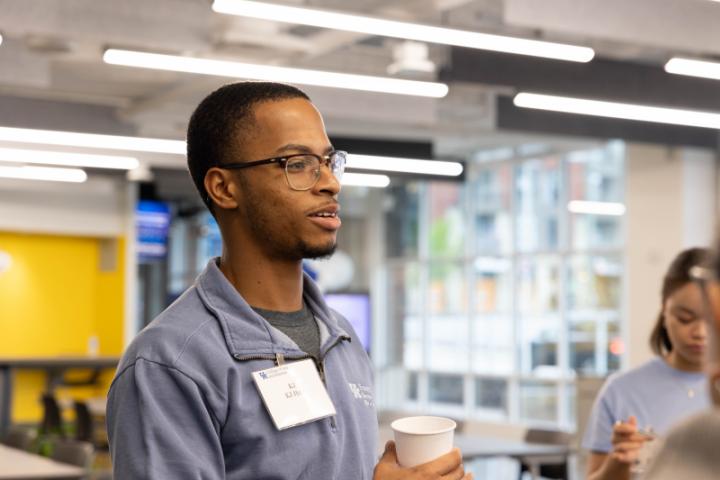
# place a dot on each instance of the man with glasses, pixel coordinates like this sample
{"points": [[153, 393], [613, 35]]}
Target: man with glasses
{"points": [[249, 374]]}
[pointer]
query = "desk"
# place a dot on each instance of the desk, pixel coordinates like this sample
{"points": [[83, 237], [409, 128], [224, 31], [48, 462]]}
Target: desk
{"points": [[55, 366], [19, 465], [474, 447]]}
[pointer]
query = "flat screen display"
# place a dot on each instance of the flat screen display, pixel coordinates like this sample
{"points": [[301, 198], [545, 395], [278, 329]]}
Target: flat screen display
{"points": [[152, 221], [356, 308]]}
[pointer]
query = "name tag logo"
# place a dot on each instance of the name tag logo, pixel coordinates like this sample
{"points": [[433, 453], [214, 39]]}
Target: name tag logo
{"points": [[362, 393]]}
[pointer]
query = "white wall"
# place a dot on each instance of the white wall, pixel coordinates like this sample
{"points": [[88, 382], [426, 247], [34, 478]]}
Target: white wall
{"points": [[670, 198], [95, 208], [700, 193]]}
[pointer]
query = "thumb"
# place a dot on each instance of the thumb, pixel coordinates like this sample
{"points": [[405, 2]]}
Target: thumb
{"points": [[632, 420], [389, 455]]}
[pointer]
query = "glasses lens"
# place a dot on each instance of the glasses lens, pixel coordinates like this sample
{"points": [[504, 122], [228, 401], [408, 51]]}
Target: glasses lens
{"points": [[302, 171], [337, 163]]}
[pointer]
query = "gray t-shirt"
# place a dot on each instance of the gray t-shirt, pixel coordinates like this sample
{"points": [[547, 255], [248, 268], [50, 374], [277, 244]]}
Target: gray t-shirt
{"points": [[300, 326]]}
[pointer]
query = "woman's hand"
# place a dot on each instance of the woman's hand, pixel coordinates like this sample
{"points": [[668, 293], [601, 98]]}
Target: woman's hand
{"points": [[627, 441]]}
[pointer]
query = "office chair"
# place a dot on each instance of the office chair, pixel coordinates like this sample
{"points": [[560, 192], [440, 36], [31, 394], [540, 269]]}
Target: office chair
{"points": [[87, 427], [553, 467], [51, 423], [22, 439], [80, 454]]}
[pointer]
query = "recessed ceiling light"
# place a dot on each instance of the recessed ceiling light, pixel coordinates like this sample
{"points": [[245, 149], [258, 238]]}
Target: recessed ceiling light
{"points": [[693, 68], [91, 140], [409, 31], [67, 159], [404, 165], [300, 76], [73, 175], [596, 208], [365, 180], [627, 111]]}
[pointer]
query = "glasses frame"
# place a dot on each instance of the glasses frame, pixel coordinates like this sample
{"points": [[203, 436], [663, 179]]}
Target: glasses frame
{"points": [[283, 163]]}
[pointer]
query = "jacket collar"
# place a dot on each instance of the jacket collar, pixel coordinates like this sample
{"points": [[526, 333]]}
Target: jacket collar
{"points": [[246, 332]]}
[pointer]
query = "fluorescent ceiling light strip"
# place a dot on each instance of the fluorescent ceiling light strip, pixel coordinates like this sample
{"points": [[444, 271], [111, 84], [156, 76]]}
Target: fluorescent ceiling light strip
{"points": [[74, 175], [627, 111], [67, 159], [92, 140], [596, 208], [365, 180], [404, 165], [693, 68], [409, 31], [222, 68]]}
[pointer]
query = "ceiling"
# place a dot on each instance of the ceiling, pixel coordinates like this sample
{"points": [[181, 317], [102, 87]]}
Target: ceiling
{"points": [[52, 75]]}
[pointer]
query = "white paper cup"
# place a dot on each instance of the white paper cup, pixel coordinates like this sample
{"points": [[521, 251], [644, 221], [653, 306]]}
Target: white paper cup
{"points": [[419, 440]]}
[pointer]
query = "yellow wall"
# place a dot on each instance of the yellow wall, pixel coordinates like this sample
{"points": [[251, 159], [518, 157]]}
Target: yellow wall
{"points": [[52, 299]]}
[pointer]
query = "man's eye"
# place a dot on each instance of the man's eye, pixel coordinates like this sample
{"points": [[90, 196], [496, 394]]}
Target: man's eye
{"points": [[299, 164]]}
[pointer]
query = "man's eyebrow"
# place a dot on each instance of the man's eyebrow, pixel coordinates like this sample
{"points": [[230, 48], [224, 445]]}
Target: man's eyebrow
{"points": [[295, 147]]}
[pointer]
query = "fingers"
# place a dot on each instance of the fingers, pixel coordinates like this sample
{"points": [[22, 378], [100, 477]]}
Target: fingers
{"points": [[628, 432], [629, 437], [389, 455], [446, 464], [628, 446], [625, 457], [627, 452], [624, 428], [457, 474]]}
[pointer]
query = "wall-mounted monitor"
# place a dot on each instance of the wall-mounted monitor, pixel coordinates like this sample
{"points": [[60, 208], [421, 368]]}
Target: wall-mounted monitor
{"points": [[355, 306], [152, 221]]}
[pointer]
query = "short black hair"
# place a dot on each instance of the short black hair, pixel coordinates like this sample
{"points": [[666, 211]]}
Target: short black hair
{"points": [[216, 122]]}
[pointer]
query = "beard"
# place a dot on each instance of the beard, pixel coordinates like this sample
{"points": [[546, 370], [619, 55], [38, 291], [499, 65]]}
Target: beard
{"points": [[279, 241], [287, 249], [317, 252]]}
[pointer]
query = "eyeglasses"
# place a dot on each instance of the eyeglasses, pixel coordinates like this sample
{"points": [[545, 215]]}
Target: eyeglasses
{"points": [[302, 170]]}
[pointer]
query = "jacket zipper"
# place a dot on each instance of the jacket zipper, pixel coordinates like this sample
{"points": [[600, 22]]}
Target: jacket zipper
{"points": [[321, 369], [278, 358]]}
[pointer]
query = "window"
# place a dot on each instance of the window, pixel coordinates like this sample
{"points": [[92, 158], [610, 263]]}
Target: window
{"points": [[497, 294]]}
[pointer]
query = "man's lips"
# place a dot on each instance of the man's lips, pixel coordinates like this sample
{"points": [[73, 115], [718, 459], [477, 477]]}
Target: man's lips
{"points": [[327, 223], [326, 217]]}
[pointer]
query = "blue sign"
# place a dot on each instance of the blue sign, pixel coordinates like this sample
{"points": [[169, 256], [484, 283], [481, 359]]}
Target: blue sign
{"points": [[152, 221]]}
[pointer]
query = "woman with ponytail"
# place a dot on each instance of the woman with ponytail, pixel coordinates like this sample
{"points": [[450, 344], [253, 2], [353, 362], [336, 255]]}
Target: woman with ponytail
{"points": [[639, 404], [690, 451]]}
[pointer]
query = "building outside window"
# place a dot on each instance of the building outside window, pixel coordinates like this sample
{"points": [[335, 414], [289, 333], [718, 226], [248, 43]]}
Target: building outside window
{"points": [[497, 295]]}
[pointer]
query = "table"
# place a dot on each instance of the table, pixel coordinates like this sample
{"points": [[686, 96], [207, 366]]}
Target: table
{"points": [[55, 366], [475, 446], [19, 465]]}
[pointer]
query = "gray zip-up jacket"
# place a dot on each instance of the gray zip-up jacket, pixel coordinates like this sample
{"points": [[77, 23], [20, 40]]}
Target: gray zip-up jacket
{"points": [[183, 404]]}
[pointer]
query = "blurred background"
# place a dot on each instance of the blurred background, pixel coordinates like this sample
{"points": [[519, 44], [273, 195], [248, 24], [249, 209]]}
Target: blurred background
{"points": [[587, 162]]}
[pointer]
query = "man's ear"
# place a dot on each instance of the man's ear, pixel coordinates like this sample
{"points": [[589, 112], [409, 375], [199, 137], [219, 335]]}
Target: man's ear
{"points": [[222, 188]]}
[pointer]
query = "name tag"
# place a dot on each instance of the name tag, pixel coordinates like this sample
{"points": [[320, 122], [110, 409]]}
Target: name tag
{"points": [[293, 394]]}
